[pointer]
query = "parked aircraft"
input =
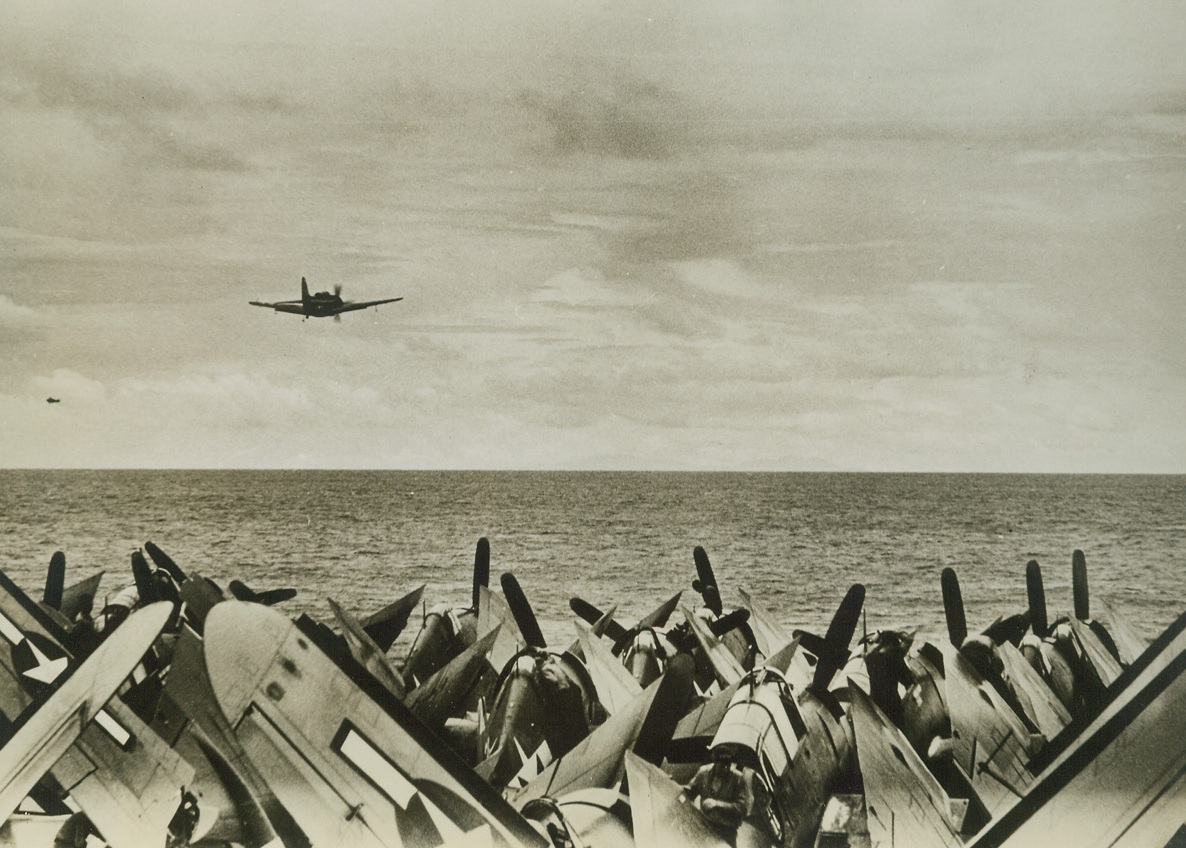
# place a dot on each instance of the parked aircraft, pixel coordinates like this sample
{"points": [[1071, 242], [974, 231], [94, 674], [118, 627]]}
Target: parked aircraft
{"points": [[447, 631], [48, 731], [322, 304], [348, 760], [1117, 780]]}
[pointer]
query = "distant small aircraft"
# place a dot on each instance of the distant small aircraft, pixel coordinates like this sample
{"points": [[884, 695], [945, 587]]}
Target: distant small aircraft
{"points": [[322, 304], [52, 400]]}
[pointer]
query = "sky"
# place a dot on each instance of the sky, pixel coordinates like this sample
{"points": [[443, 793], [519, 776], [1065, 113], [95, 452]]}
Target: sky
{"points": [[691, 235]]}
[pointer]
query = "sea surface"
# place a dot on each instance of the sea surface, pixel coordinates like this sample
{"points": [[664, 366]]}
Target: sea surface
{"points": [[795, 540]]}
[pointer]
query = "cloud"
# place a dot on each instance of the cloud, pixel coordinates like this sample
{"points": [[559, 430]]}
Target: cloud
{"points": [[72, 386], [147, 116], [635, 120], [15, 317]]}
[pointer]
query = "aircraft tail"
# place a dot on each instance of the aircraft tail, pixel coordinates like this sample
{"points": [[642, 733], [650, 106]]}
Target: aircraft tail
{"points": [[304, 291]]}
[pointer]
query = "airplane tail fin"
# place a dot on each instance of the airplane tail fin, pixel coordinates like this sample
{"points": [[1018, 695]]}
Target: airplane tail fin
{"points": [[304, 291]]}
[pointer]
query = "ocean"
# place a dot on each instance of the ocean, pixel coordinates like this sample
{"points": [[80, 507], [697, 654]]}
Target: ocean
{"points": [[796, 541]]}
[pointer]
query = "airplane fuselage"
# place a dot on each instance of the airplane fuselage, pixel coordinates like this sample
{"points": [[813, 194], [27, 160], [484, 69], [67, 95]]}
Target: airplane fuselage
{"points": [[800, 747], [322, 305]]}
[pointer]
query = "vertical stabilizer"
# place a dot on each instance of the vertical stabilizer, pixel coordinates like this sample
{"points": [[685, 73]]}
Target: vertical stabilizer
{"points": [[304, 291]]}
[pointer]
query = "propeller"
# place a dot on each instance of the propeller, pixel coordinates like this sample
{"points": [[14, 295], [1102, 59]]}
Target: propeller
{"points": [[163, 560], [523, 613], [337, 289], [1079, 586], [721, 626], [55, 581], [1036, 597], [832, 649], [592, 615], [953, 607], [145, 585], [706, 581], [267, 597], [481, 569]]}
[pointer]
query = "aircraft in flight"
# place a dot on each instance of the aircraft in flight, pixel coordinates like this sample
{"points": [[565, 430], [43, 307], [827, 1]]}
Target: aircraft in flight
{"points": [[322, 304]]}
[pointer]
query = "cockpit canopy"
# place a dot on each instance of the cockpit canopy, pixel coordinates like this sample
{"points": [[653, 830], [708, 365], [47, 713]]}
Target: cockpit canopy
{"points": [[762, 721]]}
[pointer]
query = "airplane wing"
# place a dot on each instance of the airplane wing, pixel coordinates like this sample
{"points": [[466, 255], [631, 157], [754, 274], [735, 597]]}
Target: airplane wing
{"points": [[1037, 698], [293, 306], [349, 761], [385, 625], [235, 801], [351, 306], [125, 778], [616, 687], [646, 725], [74, 594], [658, 617], [366, 653], [990, 742], [1129, 643], [450, 689], [45, 735], [904, 802], [494, 612], [661, 813], [725, 664], [1121, 782], [200, 594], [1106, 667], [770, 635]]}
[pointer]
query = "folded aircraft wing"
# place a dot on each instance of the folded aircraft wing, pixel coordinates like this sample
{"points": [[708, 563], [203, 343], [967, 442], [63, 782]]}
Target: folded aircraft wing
{"points": [[1037, 698], [904, 802], [1120, 780], [644, 726], [661, 813], [44, 735], [125, 778], [616, 687], [771, 635], [366, 653], [725, 664], [990, 742], [450, 689], [349, 761]]}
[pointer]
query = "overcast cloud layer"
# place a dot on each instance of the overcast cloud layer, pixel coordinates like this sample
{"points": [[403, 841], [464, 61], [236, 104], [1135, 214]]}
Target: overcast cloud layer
{"points": [[773, 236]]}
